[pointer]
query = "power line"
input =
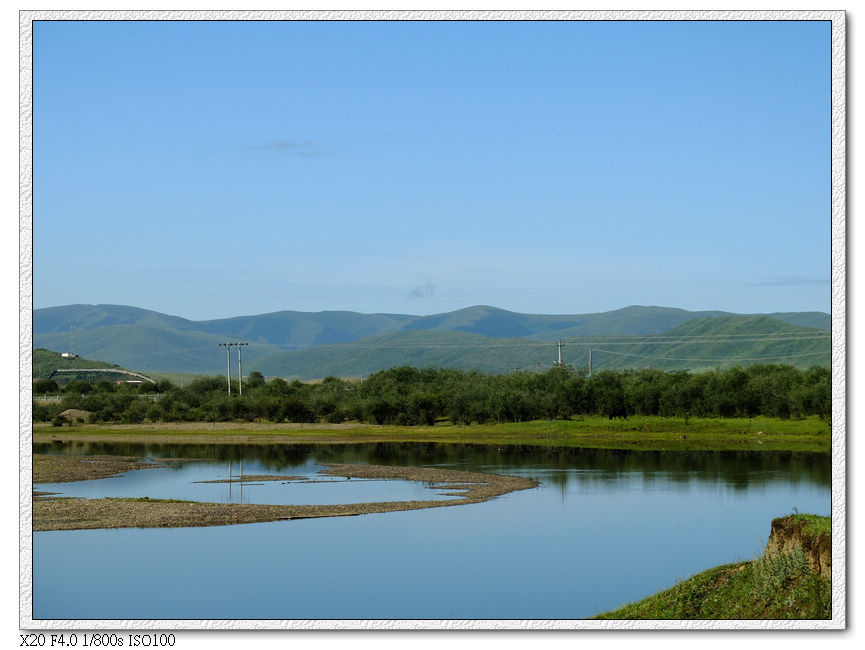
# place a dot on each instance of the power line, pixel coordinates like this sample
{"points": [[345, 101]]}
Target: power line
{"points": [[779, 339], [577, 342], [727, 335], [646, 356]]}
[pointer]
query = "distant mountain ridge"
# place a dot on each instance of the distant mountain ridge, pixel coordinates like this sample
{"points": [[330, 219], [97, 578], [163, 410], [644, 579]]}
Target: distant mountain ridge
{"points": [[699, 344], [330, 341]]}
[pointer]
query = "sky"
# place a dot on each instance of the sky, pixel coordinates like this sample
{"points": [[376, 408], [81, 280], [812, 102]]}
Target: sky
{"points": [[214, 169]]}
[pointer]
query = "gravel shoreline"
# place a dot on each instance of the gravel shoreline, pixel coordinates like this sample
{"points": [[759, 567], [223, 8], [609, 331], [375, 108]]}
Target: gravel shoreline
{"points": [[64, 469], [51, 513]]}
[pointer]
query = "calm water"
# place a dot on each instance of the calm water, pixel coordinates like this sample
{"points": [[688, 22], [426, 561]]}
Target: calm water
{"points": [[208, 481], [604, 528]]}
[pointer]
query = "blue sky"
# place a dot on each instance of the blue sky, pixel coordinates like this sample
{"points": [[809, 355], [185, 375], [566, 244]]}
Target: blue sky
{"points": [[223, 168]]}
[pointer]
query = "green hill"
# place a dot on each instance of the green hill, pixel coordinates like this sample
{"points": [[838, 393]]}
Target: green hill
{"points": [[352, 344], [634, 320], [294, 330], [417, 348], [492, 322], [46, 363], [815, 319], [707, 343], [700, 344], [653, 320], [63, 320], [153, 348]]}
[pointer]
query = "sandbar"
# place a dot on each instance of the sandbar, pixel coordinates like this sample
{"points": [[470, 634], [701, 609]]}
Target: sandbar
{"points": [[62, 513]]}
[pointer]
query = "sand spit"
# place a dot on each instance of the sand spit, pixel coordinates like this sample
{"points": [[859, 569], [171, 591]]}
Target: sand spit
{"points": [[63, 469], [69, 514], [255, 478], [478, 486]]}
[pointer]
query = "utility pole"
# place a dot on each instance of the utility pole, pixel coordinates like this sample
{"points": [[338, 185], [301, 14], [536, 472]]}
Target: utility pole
{"points": [[228, 366], [74, 353], [240, 367]]}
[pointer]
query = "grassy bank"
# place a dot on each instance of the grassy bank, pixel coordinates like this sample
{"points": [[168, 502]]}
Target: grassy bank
{"points": [[639, 432], [786, 582]]}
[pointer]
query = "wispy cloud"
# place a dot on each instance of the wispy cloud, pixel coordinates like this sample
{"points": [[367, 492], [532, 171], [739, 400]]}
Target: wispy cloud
{"points": [[425, 290], [788, 281], [306, 148]]}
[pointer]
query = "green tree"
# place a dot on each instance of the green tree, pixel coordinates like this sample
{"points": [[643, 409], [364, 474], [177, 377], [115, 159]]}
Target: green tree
{"points": [[45, 386], [608, 395], [78, 387]]}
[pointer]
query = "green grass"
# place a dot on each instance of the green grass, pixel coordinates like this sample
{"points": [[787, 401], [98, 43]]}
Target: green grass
{"points": [[638, 433], [780, 586], [814, 524], [650, 433], [766, 588]]}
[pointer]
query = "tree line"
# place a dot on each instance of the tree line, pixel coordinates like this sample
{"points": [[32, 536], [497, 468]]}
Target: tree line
{"points": [[424, 396]]}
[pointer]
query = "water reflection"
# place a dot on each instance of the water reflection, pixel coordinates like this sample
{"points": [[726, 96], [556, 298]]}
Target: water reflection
{"points": [[247, 481], [605, 528], [737, 469]]}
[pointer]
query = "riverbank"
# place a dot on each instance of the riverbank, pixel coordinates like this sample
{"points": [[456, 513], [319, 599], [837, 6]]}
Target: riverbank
{"points": [[60, 513], [791, 580], [637, 433]]}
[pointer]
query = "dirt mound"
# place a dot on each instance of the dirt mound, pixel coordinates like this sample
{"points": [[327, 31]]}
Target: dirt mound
{"points": [[73, 415], [789, 533]]}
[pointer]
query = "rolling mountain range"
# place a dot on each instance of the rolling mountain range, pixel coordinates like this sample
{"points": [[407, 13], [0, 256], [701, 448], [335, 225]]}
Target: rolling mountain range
{"points": [[314, 345]]}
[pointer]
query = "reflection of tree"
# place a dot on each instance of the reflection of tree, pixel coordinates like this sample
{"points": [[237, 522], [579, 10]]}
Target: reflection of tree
{"points": [[736, 469]]}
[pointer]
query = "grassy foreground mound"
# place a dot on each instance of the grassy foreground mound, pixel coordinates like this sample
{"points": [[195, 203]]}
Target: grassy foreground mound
{"points": [[791, 580]]}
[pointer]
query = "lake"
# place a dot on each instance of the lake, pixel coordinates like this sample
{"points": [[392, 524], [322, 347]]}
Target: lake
{"points": [[602, 529]]}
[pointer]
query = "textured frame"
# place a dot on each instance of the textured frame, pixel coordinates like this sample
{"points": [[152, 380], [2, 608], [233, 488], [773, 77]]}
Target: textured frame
{"points": [[838, 316]]}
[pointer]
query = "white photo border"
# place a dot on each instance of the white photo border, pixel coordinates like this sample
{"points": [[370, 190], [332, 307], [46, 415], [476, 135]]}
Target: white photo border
{"points": [[838, 317]]}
